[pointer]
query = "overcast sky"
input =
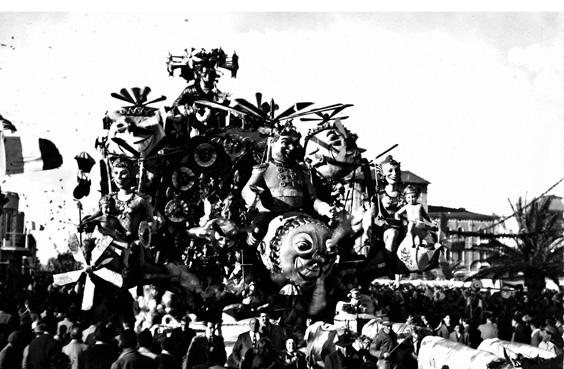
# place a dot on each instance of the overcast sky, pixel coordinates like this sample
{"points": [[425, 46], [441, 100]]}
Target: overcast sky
{"points": [[474, 100]]}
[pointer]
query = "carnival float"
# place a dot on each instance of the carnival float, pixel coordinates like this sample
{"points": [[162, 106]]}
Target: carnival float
{"points": [[231, 206]]}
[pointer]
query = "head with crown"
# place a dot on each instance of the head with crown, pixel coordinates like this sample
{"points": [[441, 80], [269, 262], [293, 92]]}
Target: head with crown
{"points": [[122, 173], [204, 65], [285, 143]]}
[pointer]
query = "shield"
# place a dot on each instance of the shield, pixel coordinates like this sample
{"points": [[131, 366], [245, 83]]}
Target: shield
{"points": [[183, 178], [234, 146], [144, 233], [176, 210], [205, 155]]}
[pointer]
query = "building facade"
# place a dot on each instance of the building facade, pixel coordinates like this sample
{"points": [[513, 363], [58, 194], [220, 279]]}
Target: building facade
{"points": [[461, 247], [18, 246]]}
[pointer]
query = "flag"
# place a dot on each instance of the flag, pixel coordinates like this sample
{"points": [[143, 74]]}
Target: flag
{"points": [[7, 125], [23, 154]]}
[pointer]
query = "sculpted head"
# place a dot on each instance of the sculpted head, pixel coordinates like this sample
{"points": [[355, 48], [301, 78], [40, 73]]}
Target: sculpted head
{"points": [[391, 170]]}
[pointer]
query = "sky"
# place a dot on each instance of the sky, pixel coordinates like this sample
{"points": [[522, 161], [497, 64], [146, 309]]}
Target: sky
{"points": [[474, 100]]}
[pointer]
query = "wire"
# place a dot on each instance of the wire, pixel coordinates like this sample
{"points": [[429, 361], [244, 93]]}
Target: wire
{"points": [[526, 206]]}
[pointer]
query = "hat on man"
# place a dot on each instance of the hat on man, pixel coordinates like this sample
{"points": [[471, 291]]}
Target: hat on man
{"points": [[552, 330], [345, 339], [354, 291], [386, 321], [40, 328]]}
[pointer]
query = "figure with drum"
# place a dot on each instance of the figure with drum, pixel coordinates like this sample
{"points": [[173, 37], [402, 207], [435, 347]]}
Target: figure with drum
{"points": [[280, 185]]}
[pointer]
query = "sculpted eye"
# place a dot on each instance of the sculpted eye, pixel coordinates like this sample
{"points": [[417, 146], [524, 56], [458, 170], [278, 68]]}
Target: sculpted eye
{"points": [[303, 243]]}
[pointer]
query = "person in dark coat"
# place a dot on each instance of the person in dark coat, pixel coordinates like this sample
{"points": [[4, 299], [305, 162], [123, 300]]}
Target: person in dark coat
{"points": [[208, 349], [345, 357], [11, 354], [265, 358], [271, 331], [41, 349], [245, 342], [444, 328], [384, 344], [130, 358], [101, 354], [521, 331], [166, 360]]}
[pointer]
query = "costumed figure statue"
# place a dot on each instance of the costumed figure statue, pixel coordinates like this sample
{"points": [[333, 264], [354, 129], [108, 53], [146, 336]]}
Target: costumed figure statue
{"points": [[133, 214], [420, 249], [338, 176], [389, 185], [199, 69], [280, 185], [418, 221]]}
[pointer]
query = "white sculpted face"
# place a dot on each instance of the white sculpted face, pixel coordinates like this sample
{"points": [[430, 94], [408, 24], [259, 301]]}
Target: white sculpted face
{"points": [[391, 172], [121, 177]]}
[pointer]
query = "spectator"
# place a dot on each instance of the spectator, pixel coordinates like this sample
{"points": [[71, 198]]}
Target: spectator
{"points": [[62, 335], [101, 354], [458, 335], [444, 329], [265, 358], [145, 340], [271, 331], [166, 360], [11, 355], [208, 349], [41, 349], [245, 341], [345, 356], [74, 347], [130, 358], [488, 329], [384, 343], [521, 332], [291, 358], [546, 342], [536, 332]]}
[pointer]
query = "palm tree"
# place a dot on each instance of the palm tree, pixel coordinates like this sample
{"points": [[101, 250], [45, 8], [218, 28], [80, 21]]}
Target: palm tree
{"points": [[538, 252]]}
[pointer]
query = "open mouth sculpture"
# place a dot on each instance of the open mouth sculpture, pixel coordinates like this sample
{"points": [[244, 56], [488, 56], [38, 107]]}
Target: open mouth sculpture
{"points": [[294, 249]]}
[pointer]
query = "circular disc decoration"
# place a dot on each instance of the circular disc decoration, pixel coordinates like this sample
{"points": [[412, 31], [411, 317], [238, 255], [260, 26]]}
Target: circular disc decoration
{"points": [[234, 146], [476, 284], [176, 210], [183, 178], [205, 155], [144, 234]]}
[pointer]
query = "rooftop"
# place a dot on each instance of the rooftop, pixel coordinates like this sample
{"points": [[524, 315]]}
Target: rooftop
{"points": [[459, 213], [409, 177]]}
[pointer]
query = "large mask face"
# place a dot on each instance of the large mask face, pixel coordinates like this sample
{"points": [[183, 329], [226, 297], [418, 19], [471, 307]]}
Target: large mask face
{"points": [[331, 153], [391, 172], [134, 135], [299, 253]]}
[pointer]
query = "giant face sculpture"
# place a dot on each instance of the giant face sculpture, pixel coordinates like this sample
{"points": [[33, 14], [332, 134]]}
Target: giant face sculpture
{"points": [[294, 249], [332, 152], [134, 136]]}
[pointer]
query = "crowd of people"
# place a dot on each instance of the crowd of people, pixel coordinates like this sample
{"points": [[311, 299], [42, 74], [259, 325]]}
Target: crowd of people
{"points": [[36, 332]]}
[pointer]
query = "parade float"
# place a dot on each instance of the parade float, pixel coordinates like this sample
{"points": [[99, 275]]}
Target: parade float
{"points": [[233, 205]]}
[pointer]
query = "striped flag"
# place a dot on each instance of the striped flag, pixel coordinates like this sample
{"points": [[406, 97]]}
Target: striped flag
{"points": [[23, 154], [7, 125]]}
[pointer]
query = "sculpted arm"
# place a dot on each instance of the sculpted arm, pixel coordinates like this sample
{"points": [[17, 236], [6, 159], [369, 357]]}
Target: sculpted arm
{"points": [[257, 180]]}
